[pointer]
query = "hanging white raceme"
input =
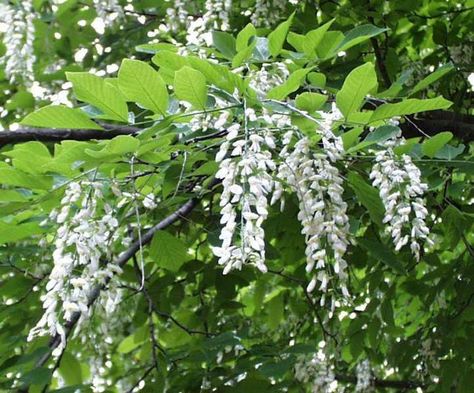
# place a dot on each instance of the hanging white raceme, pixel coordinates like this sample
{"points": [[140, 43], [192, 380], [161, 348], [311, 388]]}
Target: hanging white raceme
{"points": [[315, 179], [19, 35], [400, 187], [85, 233], [246, 182]]}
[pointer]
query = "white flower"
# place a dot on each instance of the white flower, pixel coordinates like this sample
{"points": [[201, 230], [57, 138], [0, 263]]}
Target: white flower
{"points": [[82, 238], [18, 39], [401, 190], [149, 202], [323, 212]]}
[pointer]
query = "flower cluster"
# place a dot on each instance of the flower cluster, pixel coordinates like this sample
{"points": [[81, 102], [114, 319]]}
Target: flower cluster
{"points": [[317, 183], [84, 235], [246, 184], [364, 376], [267, 13], [267, 77], [177, 17], [317, 371], [108, 10], [401, 190], [18, 39], [215, 17]]}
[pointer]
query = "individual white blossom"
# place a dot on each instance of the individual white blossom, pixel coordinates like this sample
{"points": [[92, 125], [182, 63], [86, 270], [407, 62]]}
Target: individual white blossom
{"points": [[149, 201], [86, 230], [19, 36], [401, 190]]}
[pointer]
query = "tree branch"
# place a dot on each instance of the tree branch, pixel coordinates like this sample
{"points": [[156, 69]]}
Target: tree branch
{"points": [[383, 383], [462, 126], [61, 134]]}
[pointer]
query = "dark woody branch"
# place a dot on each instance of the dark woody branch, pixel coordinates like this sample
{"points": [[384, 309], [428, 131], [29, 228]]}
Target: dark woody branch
{"points": [[431, 123]]}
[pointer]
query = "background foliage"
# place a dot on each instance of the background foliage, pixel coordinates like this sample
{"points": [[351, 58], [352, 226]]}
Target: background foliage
{"points": [[190, 328]]}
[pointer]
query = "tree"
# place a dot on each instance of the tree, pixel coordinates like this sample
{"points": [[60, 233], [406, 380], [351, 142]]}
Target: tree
{"points": [[236, 196]]}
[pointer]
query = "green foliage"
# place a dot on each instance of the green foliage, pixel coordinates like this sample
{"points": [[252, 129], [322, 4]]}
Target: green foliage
{"points": [[190, 86], [99, 93], [357, 85], [189, 327], [60, 117], [141, 84]]}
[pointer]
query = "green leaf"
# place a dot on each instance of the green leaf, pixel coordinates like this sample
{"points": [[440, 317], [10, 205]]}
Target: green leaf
{"points": [[99, 93], [406, 146], [277, 37], [59, 116], [190, 86], [70, 369], [368, 196], [140, 83], [310, 102], [317, 79], [13, 232], [292, 84], [431, 146], [38, 376], [357, 85], [275, 309], [168, 251], [244, 36], [326, 48], [314, 37], [225, 43], [381, 253], [408, 107], [31, 157], [382, 134], [296, 41], [358, 35], [118, 146], [15, 177], [128, 344], [350, 138], [243, 55], [449, 152], [433, 77]]}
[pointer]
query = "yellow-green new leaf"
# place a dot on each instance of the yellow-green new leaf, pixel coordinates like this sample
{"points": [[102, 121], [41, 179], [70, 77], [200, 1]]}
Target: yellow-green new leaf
{"points": [[97, 92], [276, 38], [168, 251], [408, 107], [313, 38], [244, 36], [190, 86], [310, 102], [140, 83], [357, 85], [58, 116], [431, 146], [293, 83]]}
